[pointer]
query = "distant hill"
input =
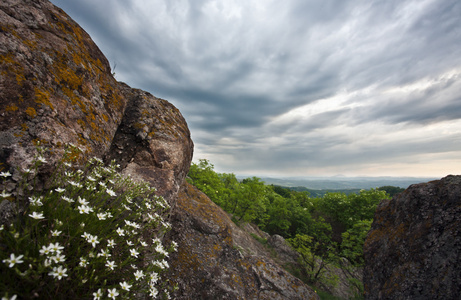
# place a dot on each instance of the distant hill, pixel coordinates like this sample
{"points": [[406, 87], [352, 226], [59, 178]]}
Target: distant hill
{"points": [[345, 183]]}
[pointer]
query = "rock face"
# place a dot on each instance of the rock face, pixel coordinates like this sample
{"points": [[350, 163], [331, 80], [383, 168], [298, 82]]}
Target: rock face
{"points": [[413, 250], [56, 85], [210, 264], [152, 142], [56, 88]]}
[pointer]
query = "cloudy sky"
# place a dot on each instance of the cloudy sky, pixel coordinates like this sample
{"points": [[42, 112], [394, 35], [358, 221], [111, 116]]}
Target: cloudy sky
{"points": [[297, 87]]}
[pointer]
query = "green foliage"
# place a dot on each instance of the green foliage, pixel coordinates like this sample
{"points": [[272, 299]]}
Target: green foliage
{"points": [[353, 240], [327, 296], [391, 190], [314, 256], [83, 237], [259, 239], [350, 209], [208, 181], [322, 229]]}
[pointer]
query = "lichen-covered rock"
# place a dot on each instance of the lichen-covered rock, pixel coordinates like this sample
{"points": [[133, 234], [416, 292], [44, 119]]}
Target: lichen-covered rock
{"points": [[153, 143], [413, 250], [56, 87], [209, 265], [283, 249]]}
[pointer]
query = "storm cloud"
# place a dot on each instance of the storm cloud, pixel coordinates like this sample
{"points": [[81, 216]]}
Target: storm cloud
{"points": [[319, 87]]}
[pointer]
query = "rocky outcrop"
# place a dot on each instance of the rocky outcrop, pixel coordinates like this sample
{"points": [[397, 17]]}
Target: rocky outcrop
{"points": [[56, 85], [211, 264], [152, 142], [413, 250], [56, 88]]}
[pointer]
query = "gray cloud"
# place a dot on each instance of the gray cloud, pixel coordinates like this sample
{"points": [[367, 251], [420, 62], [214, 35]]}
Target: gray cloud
{"points": [[306, 87]]}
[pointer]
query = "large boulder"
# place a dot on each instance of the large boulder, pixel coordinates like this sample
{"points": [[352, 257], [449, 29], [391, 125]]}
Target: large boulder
{"points": [[413, 250], [56, 85], [152, 143], [210, 262], [56, 88]]}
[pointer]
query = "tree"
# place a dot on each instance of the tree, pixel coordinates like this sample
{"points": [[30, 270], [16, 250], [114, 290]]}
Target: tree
{"points": [[203, 176], [353, 240], [313, 257], [251, 202], [391, 190], [279, 215]]}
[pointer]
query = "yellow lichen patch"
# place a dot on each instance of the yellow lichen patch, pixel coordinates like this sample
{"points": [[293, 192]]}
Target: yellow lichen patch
{"points": [[12, 67], [94, 126], [138, 125], [30, 111], [24, 127], [81, 123], [11, 107], [38, 141], [43, 97], [66, 76]]}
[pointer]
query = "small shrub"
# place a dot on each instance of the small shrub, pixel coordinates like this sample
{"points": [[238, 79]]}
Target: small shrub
{"points": [[83, 238]]}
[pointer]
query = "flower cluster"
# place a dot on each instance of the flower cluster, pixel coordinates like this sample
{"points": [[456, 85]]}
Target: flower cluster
{"points": [[88, 234]]}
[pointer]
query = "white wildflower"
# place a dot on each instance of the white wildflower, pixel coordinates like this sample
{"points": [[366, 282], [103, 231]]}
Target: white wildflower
{"points": [[125, 286], [86, 235], [35, 201], [4, 194], [5, 174], [67, 199], [138, 274], [58, 258], [112, 293], [55, 248], [60, 190], [102, 216], [111, 265], [111, 192], [97, 295], [82, 201], [55, 232], [37, 216], [153, 292], [93, 240], [134, 253], [76, 184], [58, 272], [13, 260], [83, 262], [104, 253], [110, 243], [84, 209]]}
